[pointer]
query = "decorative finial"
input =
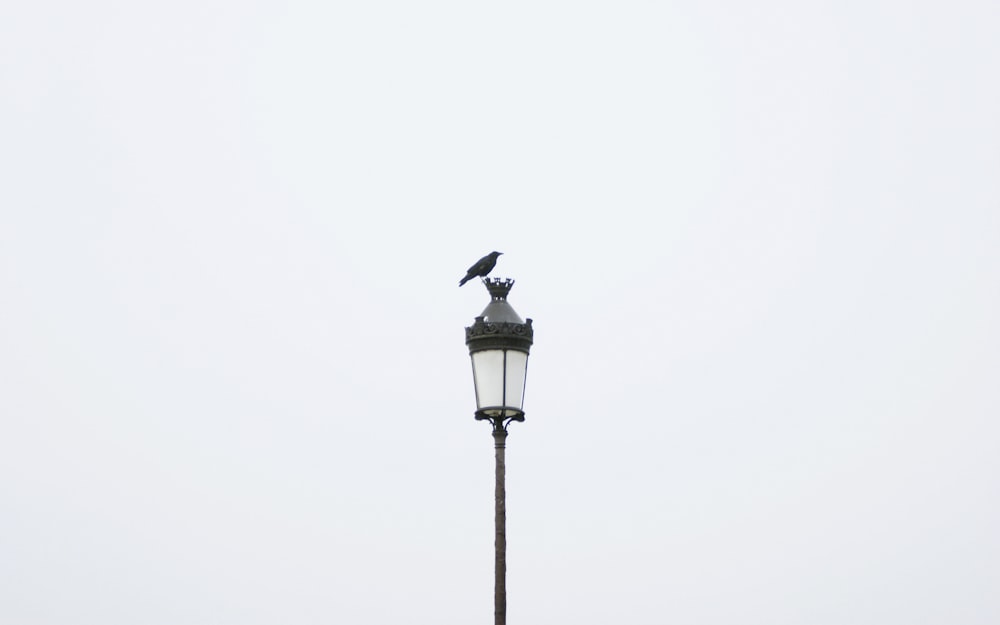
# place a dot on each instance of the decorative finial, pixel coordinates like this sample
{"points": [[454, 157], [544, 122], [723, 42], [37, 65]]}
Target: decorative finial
{"points": [[498, 287]]}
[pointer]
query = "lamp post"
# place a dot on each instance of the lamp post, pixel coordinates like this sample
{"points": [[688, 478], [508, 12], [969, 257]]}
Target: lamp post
{"points": [[499, 341]]}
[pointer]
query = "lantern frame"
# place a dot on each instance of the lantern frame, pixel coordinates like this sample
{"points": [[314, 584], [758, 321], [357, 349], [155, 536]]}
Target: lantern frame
{"points": [[496, 341]]}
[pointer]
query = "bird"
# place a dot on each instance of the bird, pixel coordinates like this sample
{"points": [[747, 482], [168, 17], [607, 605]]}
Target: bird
{"points": [[482, 267]]}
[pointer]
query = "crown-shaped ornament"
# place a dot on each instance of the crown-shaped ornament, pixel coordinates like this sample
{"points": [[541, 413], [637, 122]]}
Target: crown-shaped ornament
{"points": [[498, 287]]}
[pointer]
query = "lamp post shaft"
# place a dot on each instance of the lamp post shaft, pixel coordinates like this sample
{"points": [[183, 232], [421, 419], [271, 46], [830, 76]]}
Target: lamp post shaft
{"points": [[500, 570]]}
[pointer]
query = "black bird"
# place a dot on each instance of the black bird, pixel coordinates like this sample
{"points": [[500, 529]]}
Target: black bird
{"points": [[482, 267]]}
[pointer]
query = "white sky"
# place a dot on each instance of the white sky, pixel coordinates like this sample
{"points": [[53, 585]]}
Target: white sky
{"points": [[760, 243]]}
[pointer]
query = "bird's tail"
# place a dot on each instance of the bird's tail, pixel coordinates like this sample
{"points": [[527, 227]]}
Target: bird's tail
{"points": [[463, 281]]}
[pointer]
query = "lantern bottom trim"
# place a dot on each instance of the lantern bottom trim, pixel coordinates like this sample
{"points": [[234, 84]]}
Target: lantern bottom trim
{"points": [[489, 414]]}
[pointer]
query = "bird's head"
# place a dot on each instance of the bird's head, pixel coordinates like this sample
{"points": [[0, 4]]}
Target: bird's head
{"points": [[495, 254]]}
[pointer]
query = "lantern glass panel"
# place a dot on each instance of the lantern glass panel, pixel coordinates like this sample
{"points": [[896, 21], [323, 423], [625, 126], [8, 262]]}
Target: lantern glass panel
{"points": [[517, 365], [487, 370]]}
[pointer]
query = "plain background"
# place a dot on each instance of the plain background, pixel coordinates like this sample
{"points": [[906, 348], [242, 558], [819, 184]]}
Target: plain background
{"points": [[760, 243]]}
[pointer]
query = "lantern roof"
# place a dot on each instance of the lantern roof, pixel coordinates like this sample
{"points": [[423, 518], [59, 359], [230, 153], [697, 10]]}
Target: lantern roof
{"points": [[499, 326]]}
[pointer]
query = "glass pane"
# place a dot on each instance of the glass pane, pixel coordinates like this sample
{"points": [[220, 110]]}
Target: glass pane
{"points": [[487, 370], [517, 363]]}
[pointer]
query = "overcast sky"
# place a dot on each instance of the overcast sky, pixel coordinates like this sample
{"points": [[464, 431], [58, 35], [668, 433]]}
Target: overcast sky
{"points": [[760, 243]]}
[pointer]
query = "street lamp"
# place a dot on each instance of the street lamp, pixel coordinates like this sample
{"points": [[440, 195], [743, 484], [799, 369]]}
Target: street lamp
{"points": [[499, 341]]}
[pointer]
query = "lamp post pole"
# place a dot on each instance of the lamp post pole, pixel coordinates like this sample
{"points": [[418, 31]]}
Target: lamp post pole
{"points": [[499, 342], [500, 495]]}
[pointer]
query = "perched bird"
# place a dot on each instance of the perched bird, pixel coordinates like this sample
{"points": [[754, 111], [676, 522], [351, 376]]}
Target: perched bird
{"points": [[482, 267]]}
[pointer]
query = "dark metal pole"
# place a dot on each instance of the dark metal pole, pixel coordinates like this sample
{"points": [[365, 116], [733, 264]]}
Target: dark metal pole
{"points": [[500, 587]]}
